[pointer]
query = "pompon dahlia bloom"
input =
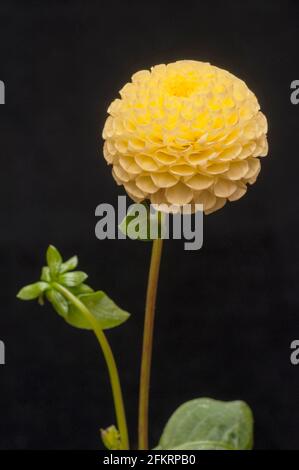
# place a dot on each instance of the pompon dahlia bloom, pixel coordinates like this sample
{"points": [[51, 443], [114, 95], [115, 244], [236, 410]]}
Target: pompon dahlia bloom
{"points": [[185, 133]]}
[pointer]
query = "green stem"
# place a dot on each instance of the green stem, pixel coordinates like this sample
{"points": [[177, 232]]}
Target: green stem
{"points": [[110, 361], [148, 344]]}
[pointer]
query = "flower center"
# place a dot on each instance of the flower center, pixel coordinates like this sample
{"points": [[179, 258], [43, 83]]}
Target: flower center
{"points": [[181, 85]]}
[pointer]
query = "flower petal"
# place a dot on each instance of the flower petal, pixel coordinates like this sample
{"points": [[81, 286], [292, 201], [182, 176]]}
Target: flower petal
{"points": [[179, 194], [224, 188], [198, 182], [164, 180]]}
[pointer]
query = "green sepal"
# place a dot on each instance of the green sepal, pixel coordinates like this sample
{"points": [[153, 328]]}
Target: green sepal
{"points": [[45, 274], [69, 265], [59, 303], [54, 261], [72, 279], [32, 291]]}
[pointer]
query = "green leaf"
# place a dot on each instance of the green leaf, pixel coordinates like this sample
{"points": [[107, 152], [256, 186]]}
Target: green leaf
{"points": [[32, 291], [81, 289], [69, 265], [105, 311], [111, 438], [54, 260], [58, 302], [141, 223], [204, 445], [205, 423], [45, 274], [72, 279]]}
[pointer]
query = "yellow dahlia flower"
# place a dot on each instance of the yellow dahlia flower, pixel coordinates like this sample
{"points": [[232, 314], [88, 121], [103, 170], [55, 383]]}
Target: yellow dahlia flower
{"points": [[185, 133]]}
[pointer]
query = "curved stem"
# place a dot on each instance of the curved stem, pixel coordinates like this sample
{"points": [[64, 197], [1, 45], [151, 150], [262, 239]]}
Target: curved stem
{"points": [[148, 344], [110, 361]]}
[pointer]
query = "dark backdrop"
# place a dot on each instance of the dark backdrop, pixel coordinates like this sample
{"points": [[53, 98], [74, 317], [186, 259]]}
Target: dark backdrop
{"points": [[226, 314]]}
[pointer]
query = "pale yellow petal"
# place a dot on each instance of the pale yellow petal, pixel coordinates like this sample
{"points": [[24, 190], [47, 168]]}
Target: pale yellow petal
{"points": [[110, 147], [121, 145], [134, 190], [247, 150], [218, 168], [146, 162], [201, 158], [237, 170], [224, 188], [264, 147], [230, 153], [121, 174], [218, 205], [206, 198], [179, 194], [164, 180], [254, 167], [198, 182], [164, 158], [182, 170], [119, 182], [108, 128], [145, 183], [129, 165], [240, 191], [136, 144], [107, 155]]}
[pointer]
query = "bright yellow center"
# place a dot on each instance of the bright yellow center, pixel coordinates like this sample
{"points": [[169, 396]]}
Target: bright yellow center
{"points": [[181, 85]]}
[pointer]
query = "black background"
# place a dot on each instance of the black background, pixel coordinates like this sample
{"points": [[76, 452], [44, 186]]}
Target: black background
{"points": [[226, 314]]}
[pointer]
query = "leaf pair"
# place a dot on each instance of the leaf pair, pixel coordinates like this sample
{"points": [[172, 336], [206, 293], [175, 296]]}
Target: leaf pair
{"points": [[59, 273], [207, 424]]}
